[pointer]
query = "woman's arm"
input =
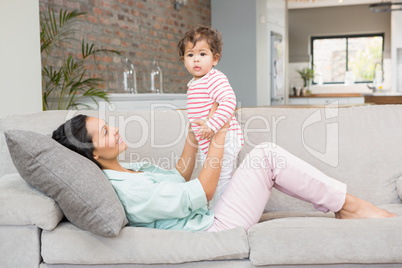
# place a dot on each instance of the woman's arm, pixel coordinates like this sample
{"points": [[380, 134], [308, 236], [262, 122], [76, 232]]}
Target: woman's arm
{"points": [[186, 163]]}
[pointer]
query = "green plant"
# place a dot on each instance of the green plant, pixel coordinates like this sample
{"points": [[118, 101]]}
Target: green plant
{"points": [[307, 75], [68, 84]]}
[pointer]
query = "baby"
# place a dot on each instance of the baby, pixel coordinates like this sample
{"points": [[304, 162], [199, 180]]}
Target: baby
{"points": [[200, 50]]}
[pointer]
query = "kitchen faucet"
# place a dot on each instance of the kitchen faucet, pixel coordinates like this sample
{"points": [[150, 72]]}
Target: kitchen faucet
{"points": [[375, 82]]}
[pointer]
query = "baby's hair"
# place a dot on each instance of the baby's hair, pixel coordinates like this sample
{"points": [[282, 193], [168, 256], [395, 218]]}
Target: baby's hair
{"points": [[198, 33]]}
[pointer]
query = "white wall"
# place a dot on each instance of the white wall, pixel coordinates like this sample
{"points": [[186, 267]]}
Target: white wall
{"points": [[271, 18], [246, 27], [20, 62], [236, 20], [396, 43]]}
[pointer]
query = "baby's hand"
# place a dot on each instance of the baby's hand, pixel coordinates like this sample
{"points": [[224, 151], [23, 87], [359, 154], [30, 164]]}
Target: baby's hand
{"points": [[204, 132]]}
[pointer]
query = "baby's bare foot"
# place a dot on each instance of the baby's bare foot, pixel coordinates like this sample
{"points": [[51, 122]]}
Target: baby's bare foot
{"points": [[356, 208]]}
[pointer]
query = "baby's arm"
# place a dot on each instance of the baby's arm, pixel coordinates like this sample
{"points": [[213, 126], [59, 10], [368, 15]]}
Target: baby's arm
{"points": [[221, 92]]}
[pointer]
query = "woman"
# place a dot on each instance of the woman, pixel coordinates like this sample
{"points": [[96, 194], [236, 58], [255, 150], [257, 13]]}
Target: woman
{"points": [[167, 199]]}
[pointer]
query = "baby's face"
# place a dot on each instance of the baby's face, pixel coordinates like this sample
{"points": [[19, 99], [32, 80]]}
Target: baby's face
{"points": [[199, 59]]}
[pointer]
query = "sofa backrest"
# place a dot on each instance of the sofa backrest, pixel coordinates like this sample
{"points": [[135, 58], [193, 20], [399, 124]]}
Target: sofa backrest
{"points": [[41, 122], [157, 137], [361, 146]]}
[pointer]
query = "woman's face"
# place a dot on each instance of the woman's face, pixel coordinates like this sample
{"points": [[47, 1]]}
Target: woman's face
{"points": [[107, 140]]}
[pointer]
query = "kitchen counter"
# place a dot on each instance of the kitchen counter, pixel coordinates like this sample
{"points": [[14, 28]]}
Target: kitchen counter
{"points": [[327, 98], [349, 98], [383, 98], [309, 106], [330, 95]]}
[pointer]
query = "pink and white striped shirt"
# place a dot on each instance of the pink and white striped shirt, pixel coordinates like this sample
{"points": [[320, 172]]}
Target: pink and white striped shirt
{"points": [[201, 94]]}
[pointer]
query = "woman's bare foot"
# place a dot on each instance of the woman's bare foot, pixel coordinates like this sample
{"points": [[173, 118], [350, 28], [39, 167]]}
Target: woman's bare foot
{"points": [[356, 208]]}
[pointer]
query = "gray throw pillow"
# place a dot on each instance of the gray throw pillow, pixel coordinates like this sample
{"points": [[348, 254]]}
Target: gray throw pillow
{"points": [[80, 188]]}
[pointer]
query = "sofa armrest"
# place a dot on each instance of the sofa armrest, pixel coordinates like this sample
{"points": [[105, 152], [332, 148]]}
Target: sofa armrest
{"points": [[399, 186], [20, 246], [21, 204]]}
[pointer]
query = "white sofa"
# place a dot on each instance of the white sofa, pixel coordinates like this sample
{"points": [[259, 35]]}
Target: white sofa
{"points": [[361, 146]]}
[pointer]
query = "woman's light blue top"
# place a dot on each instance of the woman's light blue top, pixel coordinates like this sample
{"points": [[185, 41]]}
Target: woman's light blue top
{"points": [[159, 198]]}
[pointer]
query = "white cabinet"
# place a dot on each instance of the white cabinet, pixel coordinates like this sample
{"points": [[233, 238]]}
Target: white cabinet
{"points": [[129, 102], [396, 50], [298, 101], [328, 100], [325, 101]]}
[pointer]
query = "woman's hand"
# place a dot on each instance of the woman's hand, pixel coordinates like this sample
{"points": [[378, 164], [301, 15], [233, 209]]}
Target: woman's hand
{"points": [[191, 136], [204, 131]]}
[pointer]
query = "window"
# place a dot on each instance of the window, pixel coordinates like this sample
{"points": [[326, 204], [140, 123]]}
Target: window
{"points": [[333, 56]]}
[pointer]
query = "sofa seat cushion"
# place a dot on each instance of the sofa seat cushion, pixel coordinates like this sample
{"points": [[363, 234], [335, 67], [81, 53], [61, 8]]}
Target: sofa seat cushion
{"points": [[20, 246], [21, 204], [324, 240], [267, 216], [134, 245]]}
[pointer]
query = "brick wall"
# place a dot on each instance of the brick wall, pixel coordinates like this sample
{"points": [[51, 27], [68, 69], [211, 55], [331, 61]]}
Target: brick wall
{"points": [[142, 30]]}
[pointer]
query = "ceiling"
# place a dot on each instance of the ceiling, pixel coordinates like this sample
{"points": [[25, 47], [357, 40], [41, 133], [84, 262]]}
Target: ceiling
{"points": [[295, 4]]}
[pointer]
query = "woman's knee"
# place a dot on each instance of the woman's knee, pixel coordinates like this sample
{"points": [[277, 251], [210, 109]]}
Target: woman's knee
{"points": [[267, 145], [271, 148]]}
